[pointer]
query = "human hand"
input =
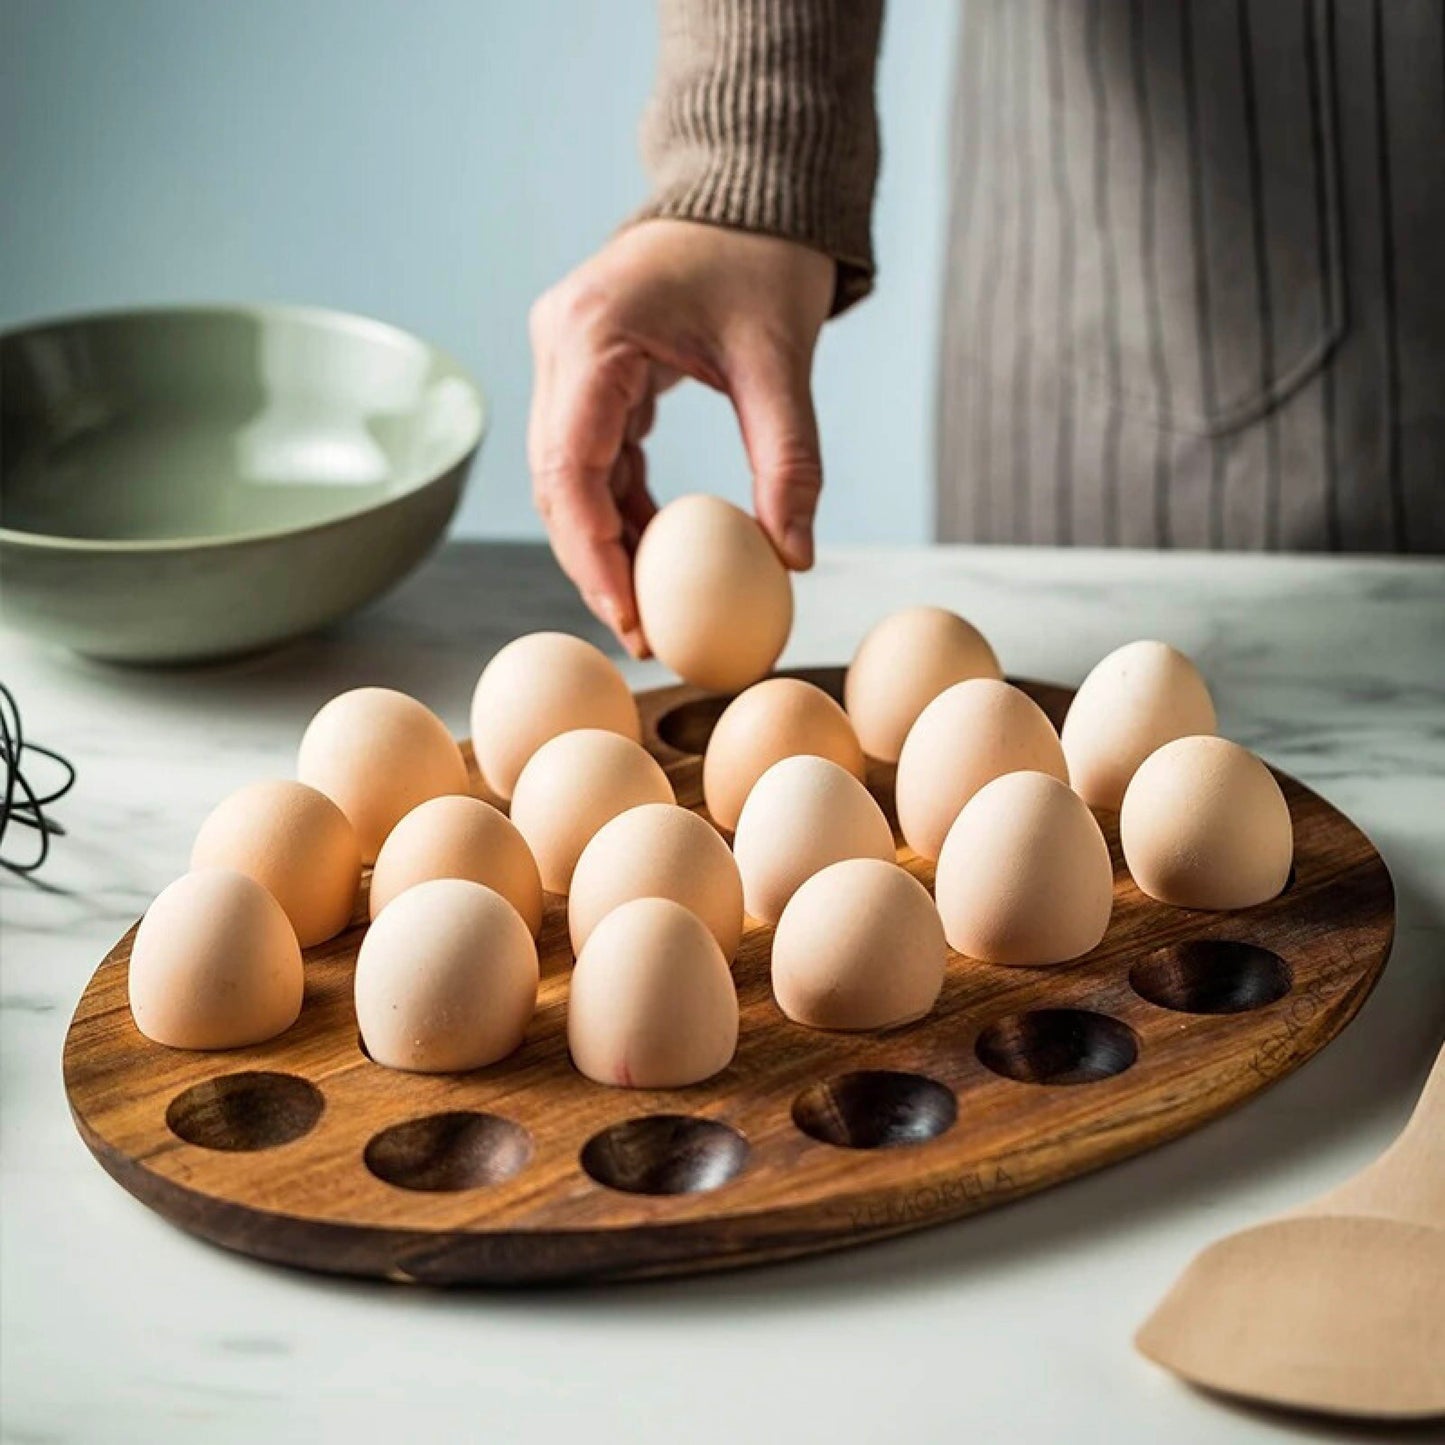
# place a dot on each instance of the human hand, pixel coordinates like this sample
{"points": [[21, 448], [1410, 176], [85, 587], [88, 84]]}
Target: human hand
{"points": [[664, 300]]}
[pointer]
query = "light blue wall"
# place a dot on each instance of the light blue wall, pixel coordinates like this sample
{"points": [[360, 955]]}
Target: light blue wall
{"points": [[436, 163]]}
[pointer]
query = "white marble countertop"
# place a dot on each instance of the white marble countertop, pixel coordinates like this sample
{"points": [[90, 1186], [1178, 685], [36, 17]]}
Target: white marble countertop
{"points": [[1015, 1325]]}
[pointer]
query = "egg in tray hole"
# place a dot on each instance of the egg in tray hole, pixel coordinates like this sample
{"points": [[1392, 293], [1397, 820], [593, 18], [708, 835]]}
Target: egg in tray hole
{"points": [[658, 898]]}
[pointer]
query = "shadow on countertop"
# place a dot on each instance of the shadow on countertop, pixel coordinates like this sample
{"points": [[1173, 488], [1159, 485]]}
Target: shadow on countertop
{"points": [[430, 637]]}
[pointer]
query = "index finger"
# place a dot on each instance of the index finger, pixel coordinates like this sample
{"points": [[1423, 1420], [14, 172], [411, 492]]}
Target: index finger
{"points": [[577, 432]]}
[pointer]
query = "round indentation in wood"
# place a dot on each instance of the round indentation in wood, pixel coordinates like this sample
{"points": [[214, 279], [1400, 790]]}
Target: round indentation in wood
{"points": [[688, 726], [240, 1113], [440, 1153], [665, 1154], [875, 1109], [1057, 1046], [1211, 976]]}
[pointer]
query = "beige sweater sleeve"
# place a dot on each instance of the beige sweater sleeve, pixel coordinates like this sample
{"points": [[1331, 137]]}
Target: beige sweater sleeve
{"points": [[763, 118]]}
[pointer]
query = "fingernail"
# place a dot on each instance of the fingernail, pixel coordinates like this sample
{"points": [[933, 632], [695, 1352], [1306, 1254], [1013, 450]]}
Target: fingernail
{"points": [[798, 545], [635, 644], [610, 611]]}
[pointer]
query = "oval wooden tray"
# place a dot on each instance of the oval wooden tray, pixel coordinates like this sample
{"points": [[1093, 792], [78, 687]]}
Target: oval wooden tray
{"points": [[304, 1152]]}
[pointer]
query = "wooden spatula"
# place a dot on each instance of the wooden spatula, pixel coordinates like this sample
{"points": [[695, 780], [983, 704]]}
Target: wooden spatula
{"points": [[1337, 1307]]}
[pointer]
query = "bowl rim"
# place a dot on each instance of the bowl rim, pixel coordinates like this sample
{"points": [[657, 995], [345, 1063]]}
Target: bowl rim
{"points": [[331, 318]]}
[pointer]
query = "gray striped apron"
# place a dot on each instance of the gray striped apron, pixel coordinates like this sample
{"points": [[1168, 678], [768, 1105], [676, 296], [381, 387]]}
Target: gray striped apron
{"points": [[1195, 293]]}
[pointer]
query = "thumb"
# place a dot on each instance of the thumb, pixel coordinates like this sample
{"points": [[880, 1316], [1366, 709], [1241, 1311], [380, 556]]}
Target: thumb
{"points": [[772, 395]]}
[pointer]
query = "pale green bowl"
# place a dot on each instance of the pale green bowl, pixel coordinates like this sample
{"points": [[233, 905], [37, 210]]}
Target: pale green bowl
{"points": [[191, 483]]}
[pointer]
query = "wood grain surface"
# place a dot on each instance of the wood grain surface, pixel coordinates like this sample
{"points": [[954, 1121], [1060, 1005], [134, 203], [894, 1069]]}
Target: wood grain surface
{"points": [[303, 1151]]}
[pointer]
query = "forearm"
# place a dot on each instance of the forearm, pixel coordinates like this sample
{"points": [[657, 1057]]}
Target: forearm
{"points": [[763, 119]]}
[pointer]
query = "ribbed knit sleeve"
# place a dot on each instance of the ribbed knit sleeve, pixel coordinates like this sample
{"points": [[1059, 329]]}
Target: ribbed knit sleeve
{"points": [[763, 118]]}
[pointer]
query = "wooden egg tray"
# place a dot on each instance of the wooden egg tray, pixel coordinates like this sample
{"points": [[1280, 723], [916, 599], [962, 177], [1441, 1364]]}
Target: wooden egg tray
{"points": [[303, 1151]]}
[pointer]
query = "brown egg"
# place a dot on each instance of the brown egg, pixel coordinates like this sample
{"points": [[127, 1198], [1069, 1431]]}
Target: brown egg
{"points": [[652, 1004], [297, 844], [658, 851], [1136, 699], [902, 665], [574, 784], [968, 735], [776, 719], [859, 946], [377, 754], [803, 814], [1025, 875], [713, 596], [446, 979], [1205, 825], [457, 837], [215, 964], [536, 687]]}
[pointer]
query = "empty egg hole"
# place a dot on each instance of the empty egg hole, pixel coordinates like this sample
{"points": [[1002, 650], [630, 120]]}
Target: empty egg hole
{"points": [[689, 725], [1211, 976], [241, 1113], [875, 1109], [1057, 1046], [665, 1154], [438, 1153]]}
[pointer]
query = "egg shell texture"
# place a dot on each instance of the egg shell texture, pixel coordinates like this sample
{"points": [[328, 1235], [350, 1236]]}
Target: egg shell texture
{"points": [[903, 663], [1135, 700], [571, 786], [1025, 875], [456, 837], [296, 843], [859, 946], [658, 851], [376, 754], [714, 598], [215, 964], [804, 814], [779, 718], [1205, 825], [536, 687], [446, 979], [970, 734], [652, 1003]]}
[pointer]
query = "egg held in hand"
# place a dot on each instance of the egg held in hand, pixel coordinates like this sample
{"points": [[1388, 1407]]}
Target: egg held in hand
{"points": [[804, 814], [376, 754], [658, 850], [713, 596], [574, 784], [537, 687], [859, 946], [1205, 825], [446, 979], [1024, 876], [456, 837], [652, 1003], [781, 718], [296, 843], [1136, 699], [970, 734], [903, 663], [215, 964]]}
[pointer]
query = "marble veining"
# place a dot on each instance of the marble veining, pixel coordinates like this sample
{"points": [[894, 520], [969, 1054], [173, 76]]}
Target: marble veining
{"points": [[113, 1326]]}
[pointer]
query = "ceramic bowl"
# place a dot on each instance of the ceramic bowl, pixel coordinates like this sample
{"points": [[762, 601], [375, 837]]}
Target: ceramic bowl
{"points": [[193, 483]]}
